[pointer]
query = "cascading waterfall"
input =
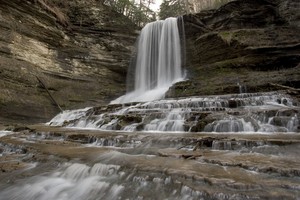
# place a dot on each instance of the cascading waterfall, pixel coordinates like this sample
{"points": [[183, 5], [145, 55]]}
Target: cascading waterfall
{"points": [[251, 112], [157, 63]]}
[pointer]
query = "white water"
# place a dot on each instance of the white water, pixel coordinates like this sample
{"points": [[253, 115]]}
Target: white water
{"points": [[4, 133], [76, 181], [59, 119], [158, 62], [255, 112], [174, 121], [100, 181]]}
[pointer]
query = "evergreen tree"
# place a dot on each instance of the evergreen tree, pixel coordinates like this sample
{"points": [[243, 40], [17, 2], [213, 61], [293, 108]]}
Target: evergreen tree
{"points": [[137, 11], [172, 8]]}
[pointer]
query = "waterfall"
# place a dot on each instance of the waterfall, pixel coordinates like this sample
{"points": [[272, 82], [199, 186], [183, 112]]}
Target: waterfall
{"points": [[157, 62]]}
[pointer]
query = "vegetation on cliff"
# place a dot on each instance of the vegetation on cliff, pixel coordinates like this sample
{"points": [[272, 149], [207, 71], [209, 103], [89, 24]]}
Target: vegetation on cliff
{"points": [[173, 8], [138, 12]]}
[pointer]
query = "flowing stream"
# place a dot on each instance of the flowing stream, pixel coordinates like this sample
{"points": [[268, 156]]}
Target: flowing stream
{"points": [[251, 112]]}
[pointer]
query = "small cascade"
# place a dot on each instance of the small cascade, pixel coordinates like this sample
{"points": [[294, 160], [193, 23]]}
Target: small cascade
{"points": [[157, 63], [172, 122], [74, 181], [58, 120], [247, 112], [242, 88], [230, 125]]}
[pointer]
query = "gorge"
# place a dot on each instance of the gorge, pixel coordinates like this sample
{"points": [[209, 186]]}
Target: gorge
{"points": [[227, 128]]}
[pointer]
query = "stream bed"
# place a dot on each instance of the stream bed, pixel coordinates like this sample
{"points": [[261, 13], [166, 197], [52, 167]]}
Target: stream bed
{"points": [[45, 162], [242, 146]]}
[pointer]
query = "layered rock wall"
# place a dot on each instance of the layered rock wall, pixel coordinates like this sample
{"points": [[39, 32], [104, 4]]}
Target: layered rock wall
{"points": [[82, 62], [244, 46]]}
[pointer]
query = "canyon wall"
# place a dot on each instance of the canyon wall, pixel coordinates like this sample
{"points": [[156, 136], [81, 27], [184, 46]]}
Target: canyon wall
{"points": [[80, 53], [244, 46]]}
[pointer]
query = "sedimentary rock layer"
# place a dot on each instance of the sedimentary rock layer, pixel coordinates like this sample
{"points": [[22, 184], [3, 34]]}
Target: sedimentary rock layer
{"points": [[81, 57], [243, 43]]}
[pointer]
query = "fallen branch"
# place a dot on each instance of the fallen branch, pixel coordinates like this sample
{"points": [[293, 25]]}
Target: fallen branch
{"points": [[198, 143], [284, 87], [191, 157], [53, 100], [192, 143]]}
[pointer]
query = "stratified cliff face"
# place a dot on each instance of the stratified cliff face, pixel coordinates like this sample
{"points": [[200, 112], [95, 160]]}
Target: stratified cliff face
{"points": [[243, 46], [83, 63]]}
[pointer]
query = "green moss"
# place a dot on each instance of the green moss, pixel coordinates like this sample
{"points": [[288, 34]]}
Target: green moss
{"points": [[226, 36], [245, 37]]}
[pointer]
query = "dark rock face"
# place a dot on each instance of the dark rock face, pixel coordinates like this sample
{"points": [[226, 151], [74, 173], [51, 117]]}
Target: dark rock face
{"points": [[83, 63], [242, 47]]}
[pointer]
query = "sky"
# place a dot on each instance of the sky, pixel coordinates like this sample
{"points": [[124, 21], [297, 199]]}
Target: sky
{"points": [[155, 6]]}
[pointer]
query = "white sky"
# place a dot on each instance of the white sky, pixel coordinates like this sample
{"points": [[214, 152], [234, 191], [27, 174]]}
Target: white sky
{"points": [[155, 6]]}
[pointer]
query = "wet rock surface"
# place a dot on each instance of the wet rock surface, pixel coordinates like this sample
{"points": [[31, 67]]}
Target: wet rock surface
{"points": [[127, 165]]}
